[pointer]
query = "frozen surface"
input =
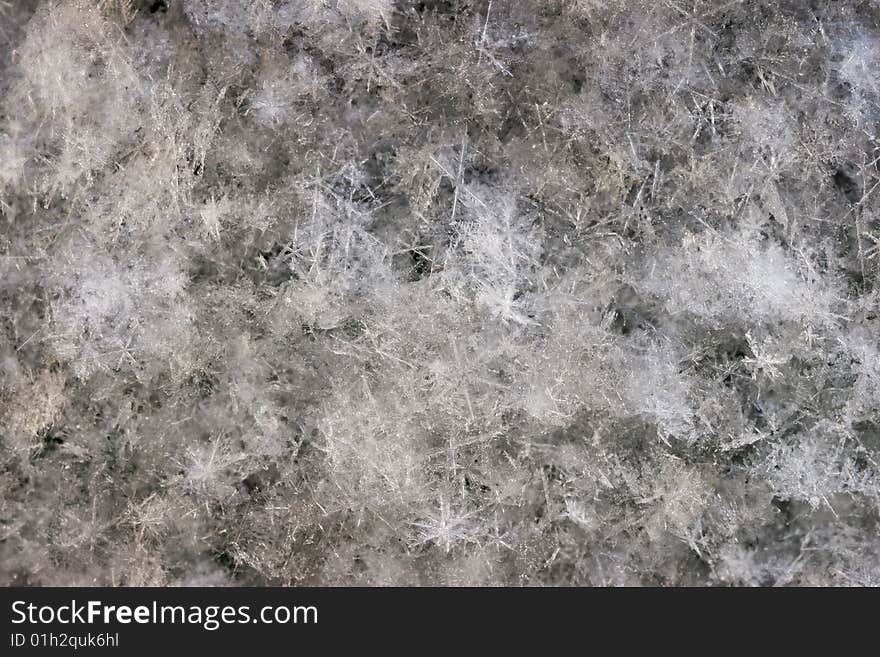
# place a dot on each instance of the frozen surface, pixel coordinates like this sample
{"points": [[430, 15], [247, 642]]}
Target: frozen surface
{"points": [[448, 292]]}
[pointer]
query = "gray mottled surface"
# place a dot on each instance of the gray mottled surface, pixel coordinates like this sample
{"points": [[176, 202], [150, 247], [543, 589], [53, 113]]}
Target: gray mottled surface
{"points": [[443, 292]]}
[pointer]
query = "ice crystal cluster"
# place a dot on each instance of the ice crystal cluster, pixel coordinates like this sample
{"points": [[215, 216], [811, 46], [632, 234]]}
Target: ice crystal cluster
{"points": [[450, 292]]}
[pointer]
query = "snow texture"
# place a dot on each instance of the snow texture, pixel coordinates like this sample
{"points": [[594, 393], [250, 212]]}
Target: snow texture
{"points": [[450, 292]]}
